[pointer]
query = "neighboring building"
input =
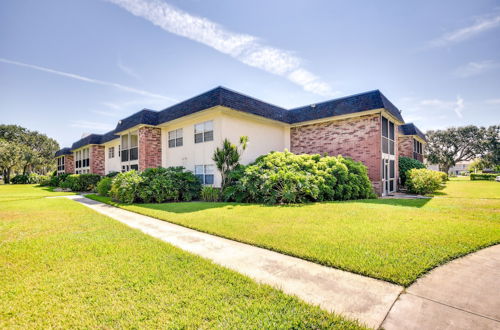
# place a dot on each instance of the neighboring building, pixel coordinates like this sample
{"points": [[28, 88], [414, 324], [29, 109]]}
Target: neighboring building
{"points": [[411, 142], [364, 127], [65, 161], [458, 169]]}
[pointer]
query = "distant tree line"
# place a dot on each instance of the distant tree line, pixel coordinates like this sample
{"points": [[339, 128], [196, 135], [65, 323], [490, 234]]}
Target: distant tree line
{"points": [[23, 151], [450, 146]]}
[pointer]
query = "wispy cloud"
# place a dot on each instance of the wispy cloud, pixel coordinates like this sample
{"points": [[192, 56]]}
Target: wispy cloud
{"points": [[456, 106], [493, 101], [91, 125], [476, 68], [126, 69], [246, 48], [120, 109], [89, 80], [480, 25]]}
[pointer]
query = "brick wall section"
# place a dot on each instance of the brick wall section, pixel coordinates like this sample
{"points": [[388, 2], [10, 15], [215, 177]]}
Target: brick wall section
{"points": [[149, 147], [358, 138], [97, 159], [405, 147], [69, 164]]}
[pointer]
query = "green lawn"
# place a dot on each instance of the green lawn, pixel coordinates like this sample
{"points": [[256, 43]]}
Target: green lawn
{"points": [[27, 191], [63, 265], [393, 240]]}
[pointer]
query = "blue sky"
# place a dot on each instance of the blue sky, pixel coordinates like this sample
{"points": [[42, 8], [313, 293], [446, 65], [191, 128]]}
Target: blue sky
{"points": [[74, 67]]}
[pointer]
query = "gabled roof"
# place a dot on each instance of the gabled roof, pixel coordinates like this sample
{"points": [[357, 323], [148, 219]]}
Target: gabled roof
{"points": [[89, 139], [62, 152], [346, 105], [411, 129]]}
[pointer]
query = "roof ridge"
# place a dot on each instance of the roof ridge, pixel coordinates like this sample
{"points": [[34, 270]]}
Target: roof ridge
{"points": [[337, 99]]}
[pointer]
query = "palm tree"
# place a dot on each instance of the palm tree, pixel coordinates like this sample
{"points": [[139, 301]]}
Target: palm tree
{"points": [[228, 157]]}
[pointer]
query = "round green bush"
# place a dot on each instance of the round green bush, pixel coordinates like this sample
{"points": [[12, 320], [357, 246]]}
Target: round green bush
{"points": [[20, 179], [283, 177], [80, 182], [104, 186], [406, 164], [124, 187], [424, 181]]}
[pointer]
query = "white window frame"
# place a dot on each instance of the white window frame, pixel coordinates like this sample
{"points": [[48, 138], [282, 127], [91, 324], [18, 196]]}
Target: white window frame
{"points": [[202, 172], [388, 158], [204, 130], [175, 138], [111, 152]]}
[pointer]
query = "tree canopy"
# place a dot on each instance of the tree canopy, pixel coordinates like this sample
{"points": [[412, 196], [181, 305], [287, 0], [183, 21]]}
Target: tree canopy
{"points": [[24, 151], [450, 146]]}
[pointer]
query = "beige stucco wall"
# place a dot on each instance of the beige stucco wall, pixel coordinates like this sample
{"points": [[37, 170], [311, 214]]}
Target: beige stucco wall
{"points": [[113, 164], [264, 136]]}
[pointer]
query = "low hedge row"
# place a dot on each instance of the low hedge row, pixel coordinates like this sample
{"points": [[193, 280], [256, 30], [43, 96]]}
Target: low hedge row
{"points": [[31, 178], [423, 181], [80, 182], [483, 176], [155, 185]]}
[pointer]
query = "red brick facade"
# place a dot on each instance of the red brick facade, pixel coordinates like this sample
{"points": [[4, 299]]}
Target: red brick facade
{"points": [[97, 159], [358, 138], [149, 147], [405, 147], [69, 164]]}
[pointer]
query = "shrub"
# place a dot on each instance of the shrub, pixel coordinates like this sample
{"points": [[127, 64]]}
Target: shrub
{"points": [[56, 180], [473, 176], [20, 179], [44, 180], [283, 177], [125, 186], [406, 164], [80, 182], [168, 184], [104, 186], [112, 174], [424, 181], [210, 194]]}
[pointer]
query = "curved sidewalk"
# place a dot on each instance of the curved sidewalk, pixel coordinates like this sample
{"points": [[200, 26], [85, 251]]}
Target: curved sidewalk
{"points": [[354, 296], [463, 294]]}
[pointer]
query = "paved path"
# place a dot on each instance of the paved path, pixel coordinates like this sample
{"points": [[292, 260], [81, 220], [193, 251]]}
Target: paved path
{"points": [[463, 294], [357, 297]]}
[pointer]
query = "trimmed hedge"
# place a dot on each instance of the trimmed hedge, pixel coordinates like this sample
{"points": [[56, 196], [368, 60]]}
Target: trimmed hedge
{"points": [[81, 182], [155, 185], [406, 164], [283, 177], [483, 176], [424, 181], [31, 178]]}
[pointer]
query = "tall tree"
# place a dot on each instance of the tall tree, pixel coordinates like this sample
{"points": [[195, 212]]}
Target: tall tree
{"points": [[491, 152], [11, 154], [453, 145]]}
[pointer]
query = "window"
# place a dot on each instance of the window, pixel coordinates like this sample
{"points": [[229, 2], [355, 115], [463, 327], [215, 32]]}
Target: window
{"points": [[82, 158], [119, 150], [111, 152], [417, 149], [60, 164], [205, 173], [388, 136], [129, 147], [204, 132], [175, 138]]}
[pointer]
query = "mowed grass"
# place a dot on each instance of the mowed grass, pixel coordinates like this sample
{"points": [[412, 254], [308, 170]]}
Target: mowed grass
{"points": [[63, 265], [27, 191], [390, 239]]}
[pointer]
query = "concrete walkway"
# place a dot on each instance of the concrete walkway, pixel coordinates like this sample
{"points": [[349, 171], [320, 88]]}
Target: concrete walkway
{"points": [[463, 294], [357, 297]]}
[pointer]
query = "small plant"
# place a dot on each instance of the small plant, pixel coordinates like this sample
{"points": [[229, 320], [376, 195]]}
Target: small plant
{"points": [[104, 186], [125, 187], [424, 181], [210, 194], [406, 164]]}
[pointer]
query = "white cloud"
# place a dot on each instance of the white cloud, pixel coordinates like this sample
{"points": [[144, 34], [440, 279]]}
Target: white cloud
{"points": [[481, 24], [89, 80], [245, 48], [121, 109], [92, 125], [456, 106], [476, 68]]}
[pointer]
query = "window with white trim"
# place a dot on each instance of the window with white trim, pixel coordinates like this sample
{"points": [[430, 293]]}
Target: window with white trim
{"points": [[204, 132], [111, 152], [175, 138], [205, 173], [387, 136], [60, 164]]}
